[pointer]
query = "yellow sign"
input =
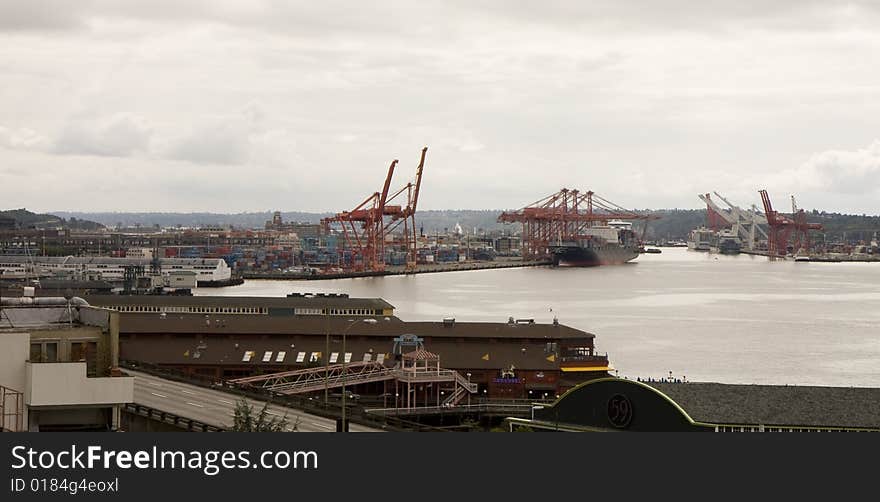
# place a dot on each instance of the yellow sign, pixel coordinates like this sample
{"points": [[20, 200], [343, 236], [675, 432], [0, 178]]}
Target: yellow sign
{"points": [[485, 357], [552, 358]]}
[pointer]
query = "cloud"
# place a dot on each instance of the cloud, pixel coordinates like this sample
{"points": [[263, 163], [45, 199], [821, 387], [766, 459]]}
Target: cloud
{"points": [[22, 139], [230, 139], [119, 135], [335, 17], [42, 15], [645, 104], [220, 143], [853, 172]]}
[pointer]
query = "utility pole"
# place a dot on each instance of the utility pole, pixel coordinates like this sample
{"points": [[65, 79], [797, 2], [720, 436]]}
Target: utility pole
{"points": [[326, 354]]}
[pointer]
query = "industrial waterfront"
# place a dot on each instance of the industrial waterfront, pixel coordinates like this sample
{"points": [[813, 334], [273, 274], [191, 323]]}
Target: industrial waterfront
{"points": [[703, 317]]}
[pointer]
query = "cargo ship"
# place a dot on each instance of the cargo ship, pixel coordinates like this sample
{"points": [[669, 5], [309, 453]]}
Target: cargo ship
{"points": [[725, 242], [700, 239], [611, 244]]}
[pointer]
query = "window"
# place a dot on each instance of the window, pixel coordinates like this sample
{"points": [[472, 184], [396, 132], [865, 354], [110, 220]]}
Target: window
{"points": [[368, 357], [314, 357], [85, 352], [334, 356], [347, 357], [300, 357], [267, 356], [36, 353], [279, 358], [248, 355], [380, 358]]}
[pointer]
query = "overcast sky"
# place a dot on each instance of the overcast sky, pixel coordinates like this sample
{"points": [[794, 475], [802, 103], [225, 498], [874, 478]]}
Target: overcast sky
{"points": [[227, 106]]}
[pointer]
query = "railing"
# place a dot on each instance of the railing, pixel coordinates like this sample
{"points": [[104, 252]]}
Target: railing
{"points": [[425, 376], [466, 383], [170, 418], [592, 358], [331, 409], [11, 410], [513, 409]]}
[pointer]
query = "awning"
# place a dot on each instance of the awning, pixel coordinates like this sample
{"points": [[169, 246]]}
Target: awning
{"points": [[586, 368]]}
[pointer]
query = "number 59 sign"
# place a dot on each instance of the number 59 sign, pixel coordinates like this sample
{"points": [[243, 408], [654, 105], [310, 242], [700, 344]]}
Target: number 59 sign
{"points": [[620, 411]]}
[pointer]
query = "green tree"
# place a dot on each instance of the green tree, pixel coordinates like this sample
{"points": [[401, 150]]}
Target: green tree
{"points": [[245, 420]]}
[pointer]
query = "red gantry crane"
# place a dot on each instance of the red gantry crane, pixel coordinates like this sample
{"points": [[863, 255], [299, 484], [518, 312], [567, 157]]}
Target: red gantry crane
{"points": [[563, 216], [365, 227], [782, 229]]}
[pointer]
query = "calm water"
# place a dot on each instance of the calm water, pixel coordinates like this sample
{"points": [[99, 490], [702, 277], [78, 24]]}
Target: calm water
{"points": [[735, 319]]}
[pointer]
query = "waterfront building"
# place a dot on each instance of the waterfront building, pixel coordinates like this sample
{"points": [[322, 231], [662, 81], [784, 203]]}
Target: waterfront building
{"points": [[672, 405], [232, 337], [207, 270]]}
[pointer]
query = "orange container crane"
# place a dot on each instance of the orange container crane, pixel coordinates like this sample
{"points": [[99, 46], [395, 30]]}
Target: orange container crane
{"points": [[365, 227], [407, 215], [563, 216], [782, 228]]}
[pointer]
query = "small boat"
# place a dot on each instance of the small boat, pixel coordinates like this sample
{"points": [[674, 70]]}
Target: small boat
{"points": [[653, 251]]}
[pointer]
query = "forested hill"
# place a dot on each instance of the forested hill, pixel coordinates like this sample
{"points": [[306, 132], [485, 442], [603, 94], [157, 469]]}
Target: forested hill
{"points": [[23, 218], [673, 223]]}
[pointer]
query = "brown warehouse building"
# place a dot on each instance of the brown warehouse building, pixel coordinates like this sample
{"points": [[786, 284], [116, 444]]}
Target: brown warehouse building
{"points": [[232, 337]]}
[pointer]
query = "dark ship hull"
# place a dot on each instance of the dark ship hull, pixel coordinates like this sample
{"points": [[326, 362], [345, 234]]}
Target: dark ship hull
{"points": [[591, 254]]}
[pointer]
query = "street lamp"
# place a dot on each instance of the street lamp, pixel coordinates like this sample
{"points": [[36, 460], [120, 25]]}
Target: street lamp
{"points": [[368, 320]]}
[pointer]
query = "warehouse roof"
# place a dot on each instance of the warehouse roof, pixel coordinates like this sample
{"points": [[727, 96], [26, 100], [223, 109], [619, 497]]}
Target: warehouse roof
{"points": [[261, 324], [230, 351], [789, 405], [313, 301]]}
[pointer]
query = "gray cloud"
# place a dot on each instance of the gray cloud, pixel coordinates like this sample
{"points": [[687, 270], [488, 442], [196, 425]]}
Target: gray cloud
{"points": [[43, 15], [848, 172], [119, 135], [646, 103], [22, 139], [218, 144], [297, 18]]}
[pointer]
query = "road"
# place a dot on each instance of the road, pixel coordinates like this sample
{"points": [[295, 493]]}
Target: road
{"points": [[217, 408]]}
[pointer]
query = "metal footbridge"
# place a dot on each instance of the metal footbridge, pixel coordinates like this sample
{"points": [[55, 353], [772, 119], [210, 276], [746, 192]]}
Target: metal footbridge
{"points": [[417, 367]]}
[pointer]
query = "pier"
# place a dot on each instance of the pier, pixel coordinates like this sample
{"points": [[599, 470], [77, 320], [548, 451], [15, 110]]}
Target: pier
{"points": [[401, 270]]}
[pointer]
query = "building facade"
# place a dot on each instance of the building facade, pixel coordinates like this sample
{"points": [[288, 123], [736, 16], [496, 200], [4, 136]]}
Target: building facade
{"points": [[57, 366]]}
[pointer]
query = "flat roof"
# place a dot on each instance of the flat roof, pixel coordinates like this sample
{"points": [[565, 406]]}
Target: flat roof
{"points": [[238, 301], [229, 351], [261, 324], [81, 260], [772, 405]]}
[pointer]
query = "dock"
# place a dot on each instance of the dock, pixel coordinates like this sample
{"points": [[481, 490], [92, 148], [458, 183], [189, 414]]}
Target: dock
{"points": [[400, 270]]}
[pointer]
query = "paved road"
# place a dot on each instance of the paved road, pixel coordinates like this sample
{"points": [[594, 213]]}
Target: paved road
{"points": [[214, 407]]}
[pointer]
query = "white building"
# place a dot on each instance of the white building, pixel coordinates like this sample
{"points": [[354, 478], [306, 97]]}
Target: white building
{"points": [[107, 268], [57, 361]]}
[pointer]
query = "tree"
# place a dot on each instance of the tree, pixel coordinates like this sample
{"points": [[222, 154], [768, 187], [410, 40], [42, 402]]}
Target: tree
{"points": [[245, 420]]}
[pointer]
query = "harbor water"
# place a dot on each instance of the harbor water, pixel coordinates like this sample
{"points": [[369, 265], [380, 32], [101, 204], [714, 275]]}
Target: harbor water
{"points": [[700, 316]]}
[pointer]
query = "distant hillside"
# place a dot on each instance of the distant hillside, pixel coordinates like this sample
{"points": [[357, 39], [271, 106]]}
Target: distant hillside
{"points": [[431, 221], [673, 223], [238, 220], [26, 219]]}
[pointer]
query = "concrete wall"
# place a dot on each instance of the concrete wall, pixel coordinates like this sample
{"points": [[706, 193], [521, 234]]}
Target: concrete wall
{"points": [[14, 353], [66, 384]]}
